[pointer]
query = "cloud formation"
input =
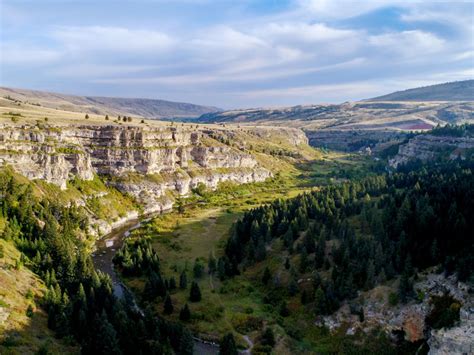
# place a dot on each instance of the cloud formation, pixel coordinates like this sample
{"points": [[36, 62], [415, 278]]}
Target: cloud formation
{"points": [[253, 54]]}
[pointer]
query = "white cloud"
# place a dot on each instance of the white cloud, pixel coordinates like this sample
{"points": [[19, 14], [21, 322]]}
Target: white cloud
{"points": [[318, 93], [304, 32], [285, 54], [408, 43], [100, 38], [17, 55]]}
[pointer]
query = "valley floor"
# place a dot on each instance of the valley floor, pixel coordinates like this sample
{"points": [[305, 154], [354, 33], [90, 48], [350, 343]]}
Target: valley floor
{"points": [[200, 230]]}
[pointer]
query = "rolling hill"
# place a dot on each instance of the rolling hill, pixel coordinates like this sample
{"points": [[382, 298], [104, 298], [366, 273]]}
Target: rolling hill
{"points": [[414, 109], [454, 91], [150, 108]]}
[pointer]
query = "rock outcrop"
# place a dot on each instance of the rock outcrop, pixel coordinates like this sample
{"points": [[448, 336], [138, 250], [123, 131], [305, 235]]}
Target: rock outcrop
{"points": [[409, 320], [428, 147], [146, 162]]}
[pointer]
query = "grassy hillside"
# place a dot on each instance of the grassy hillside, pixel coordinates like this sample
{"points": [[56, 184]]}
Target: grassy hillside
{"points": [[107, 105], [23, 323], [455, 91]]}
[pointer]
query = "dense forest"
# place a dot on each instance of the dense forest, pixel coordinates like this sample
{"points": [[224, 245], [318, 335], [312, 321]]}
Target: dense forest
{"points": [[450, 130], [80, 303], [359, 234]]}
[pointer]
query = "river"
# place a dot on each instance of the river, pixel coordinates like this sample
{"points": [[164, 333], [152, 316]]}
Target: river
{"points": [[106, 248]]}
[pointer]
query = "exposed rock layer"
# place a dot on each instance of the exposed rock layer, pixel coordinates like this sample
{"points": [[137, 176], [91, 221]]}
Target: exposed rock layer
{"points": [[427, 147], [159, 159]]}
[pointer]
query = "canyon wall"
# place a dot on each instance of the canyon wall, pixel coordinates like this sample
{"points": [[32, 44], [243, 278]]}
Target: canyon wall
{"points": [[428, 147], [146, 162]]}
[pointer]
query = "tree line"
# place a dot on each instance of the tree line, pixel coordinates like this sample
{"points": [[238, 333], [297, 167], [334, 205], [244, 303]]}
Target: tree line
{"points": [[362, 233], [80, 302]]}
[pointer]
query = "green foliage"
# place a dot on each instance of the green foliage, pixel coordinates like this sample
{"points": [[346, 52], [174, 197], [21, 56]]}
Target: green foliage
{"points": [[195, 292], [266, 276], [137, 257], [228, 346], [80, 304], [379, 227], [393, 298], [452, 130], [268, 338], [29, 311], [185, 313], [183, 281], [445, 312], [168, 305]]}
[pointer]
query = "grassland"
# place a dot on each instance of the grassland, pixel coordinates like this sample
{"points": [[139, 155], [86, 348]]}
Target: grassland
{"points": [[200, 228], [20, 288]]}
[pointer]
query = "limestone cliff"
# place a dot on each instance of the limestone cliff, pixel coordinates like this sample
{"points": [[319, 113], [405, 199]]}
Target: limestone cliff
{"points": [[147, 162], [427, 147]]}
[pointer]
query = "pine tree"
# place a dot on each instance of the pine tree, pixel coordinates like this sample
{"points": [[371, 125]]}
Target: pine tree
{"points": [[304, 297], [293, 287], [303, 260], [198, 269], [195, 292], [185, 313], [183, 280], [106, 337], [370, 280], [227, 345], [283, 309], [266, 276], [168, 305], [268, 338], [320, 302], [186, 343]]}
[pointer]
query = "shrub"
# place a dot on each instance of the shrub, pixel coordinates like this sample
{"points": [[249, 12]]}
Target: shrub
{"points": [[445, 312], [29, 311], [393, 299]]}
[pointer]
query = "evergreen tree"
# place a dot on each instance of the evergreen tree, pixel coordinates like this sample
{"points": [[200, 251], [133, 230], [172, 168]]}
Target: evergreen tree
{"points": [[283, 309], [106, 337], [185, 313], [195, 292], [293, 287], [198, 269], [268, 338], [320, 302], [266, 276], [186, 344], [168, 305], [183, 280], [227, 345]]}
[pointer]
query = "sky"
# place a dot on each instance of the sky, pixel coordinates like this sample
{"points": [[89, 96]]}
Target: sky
{"points": [[235, 53]]}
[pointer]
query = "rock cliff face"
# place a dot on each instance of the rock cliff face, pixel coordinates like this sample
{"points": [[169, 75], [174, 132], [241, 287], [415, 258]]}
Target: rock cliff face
{"points": [[145, 162], [409, 320], [428, 147]]}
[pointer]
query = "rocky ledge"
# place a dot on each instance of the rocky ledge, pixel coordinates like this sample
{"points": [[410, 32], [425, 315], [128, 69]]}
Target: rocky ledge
{"points": [[147, 162], [409, 320], [428, 147]]}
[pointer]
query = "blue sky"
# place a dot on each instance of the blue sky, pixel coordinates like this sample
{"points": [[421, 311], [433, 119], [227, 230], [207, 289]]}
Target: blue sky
{"points": [[233, 54]]}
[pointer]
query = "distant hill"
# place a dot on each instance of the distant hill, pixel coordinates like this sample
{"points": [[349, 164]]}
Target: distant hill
{"points": [[420, 108], [356, 115], [149, 108], [455, 91]]}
